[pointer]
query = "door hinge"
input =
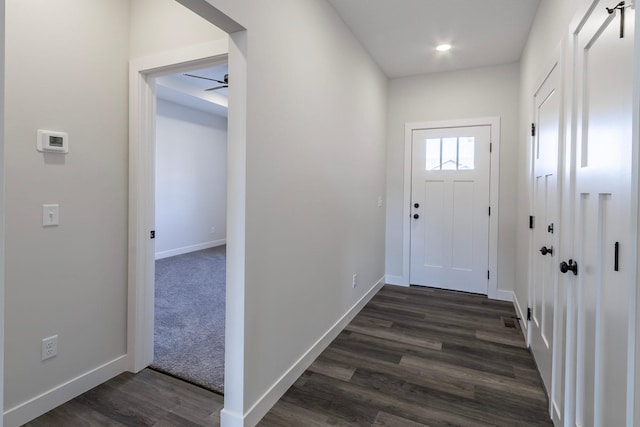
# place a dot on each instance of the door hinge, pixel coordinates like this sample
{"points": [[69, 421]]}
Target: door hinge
{"points": [[533, 129], [528, 313], [491, 147], [152, 234], [489, 210], [532, 222], [488, 275]]}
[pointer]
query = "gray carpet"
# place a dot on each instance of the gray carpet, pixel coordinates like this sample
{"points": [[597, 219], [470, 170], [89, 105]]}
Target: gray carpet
{"points": [[189, 317]]}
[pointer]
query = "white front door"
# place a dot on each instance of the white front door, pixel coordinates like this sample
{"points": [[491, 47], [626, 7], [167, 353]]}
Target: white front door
{"points": [[545, 211], [450, 208], [600, 294]]}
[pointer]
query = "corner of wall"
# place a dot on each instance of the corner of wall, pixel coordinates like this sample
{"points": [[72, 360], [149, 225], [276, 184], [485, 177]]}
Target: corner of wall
{"points": [[275, 392], [55, 397]]}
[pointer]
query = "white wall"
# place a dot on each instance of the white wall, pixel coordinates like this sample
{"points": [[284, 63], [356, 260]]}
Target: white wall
{"points": [[550, 28], [191, 179], [68, 280], [164, 25], [71, 280], [2, 204], [481, 92], [315, 166]]}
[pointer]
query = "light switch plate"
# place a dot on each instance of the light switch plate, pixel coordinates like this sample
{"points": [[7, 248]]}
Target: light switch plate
{"points": [[50, 215]]}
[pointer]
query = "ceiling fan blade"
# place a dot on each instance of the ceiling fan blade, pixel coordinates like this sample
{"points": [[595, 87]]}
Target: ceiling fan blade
{"points": [[206, 78], [217, 87]]}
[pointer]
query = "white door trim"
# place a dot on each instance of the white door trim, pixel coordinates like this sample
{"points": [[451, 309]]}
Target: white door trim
{"points": [[141, 182], [494, 123], [2, 207], [546, 72], [563, 237], [633, 393]]}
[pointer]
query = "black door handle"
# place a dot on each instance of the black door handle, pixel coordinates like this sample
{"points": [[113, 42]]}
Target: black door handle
{"points": [[570, 266], [544, 250], [416, 216]]}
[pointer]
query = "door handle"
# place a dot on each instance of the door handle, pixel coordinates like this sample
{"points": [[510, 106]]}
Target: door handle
{"points": [[416, 216], [570, 266], [544, 250], [416, 205]]}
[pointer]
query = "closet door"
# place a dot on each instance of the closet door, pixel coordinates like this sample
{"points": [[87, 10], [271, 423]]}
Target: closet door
{"points": [[544, 282], [600, 267]]}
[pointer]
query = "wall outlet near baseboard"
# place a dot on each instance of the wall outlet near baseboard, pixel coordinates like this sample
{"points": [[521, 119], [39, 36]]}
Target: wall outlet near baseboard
{"points": [[49, 347], [213, 230], [354, 282]]}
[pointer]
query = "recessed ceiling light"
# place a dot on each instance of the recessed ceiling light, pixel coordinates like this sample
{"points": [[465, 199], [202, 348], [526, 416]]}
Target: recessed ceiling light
{"points": [[443, 47]]}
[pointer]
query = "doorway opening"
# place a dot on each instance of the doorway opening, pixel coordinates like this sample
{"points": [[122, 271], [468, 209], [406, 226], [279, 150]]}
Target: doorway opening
{"points": [[190, 225], [141, 212]]}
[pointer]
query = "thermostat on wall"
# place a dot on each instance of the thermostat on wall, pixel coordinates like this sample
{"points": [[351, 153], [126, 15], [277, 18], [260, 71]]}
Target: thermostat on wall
{"points": [[53, 142]]}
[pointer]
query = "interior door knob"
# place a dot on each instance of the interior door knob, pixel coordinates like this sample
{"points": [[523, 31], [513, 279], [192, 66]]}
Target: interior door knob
{"points": [[572, 266], [416, 205], [544, 250], [416, 216]]}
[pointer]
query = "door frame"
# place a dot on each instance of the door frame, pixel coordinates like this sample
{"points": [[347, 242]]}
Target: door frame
{"points": [[142, 73], [563, 235], [633, 403], [140, 299], [494, 199]]}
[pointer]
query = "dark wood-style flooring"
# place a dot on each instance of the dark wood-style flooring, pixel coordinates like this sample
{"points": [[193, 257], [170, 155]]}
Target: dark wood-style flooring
{"points": [[412, 357]]}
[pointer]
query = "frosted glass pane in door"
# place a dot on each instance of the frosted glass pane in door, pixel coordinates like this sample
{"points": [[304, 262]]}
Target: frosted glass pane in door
{"points": [[449, 153], [433, 154], [466, 153]]}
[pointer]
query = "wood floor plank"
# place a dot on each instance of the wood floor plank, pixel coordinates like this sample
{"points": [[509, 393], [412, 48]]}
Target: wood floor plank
{"points": [[393, 404], [287, 414], [333, 369], [423, 378], [413, 357], [446, 373], [365, 320], [359, 342], [399, 336], [501, 338], [384, 419], [470, 409]]}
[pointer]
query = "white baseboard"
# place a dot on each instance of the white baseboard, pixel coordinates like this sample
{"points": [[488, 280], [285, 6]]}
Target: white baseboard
{"points": [[501, 295], [396, 280], [275, 392], [524, 324], [192, 248], [55, 397], [231, 419]]}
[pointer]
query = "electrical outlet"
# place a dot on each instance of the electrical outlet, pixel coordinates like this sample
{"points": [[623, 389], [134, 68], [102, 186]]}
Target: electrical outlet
{"points": [[213, 230], [354, 283], [49, 347]]}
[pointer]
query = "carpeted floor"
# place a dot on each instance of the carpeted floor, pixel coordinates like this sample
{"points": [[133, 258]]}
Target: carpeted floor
{"points": [[189, 317]]}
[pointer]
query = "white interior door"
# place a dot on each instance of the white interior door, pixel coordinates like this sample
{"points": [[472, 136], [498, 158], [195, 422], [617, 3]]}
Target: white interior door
{"points": [[598, 340], [545, 210], [450, 208]]}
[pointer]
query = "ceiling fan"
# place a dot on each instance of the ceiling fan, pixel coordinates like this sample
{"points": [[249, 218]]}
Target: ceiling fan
{"points": [[223, 83]]}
